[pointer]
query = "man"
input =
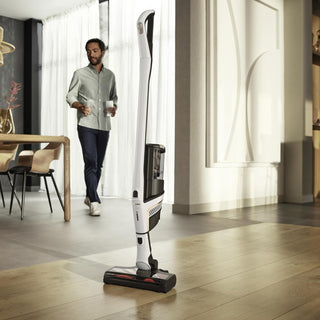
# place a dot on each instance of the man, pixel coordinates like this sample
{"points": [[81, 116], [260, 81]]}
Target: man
{"points": [[91, 88]]}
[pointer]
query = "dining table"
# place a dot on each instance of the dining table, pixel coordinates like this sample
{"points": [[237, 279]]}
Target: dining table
{"points": [[35, 138]]}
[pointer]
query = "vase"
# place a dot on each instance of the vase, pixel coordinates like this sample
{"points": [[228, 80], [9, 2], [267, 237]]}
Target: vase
{"points": [[6, 121]]}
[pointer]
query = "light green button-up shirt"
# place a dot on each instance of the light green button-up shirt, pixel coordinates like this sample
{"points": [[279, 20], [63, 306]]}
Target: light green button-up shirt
{"points": [[91, 88]]}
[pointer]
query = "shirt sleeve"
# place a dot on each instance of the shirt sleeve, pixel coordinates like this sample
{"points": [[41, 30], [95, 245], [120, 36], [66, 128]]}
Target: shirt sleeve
{"points": [[113, 92], [72, 95]]}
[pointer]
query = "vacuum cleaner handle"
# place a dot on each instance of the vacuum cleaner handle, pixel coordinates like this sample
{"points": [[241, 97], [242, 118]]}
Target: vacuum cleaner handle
{"points": [[149, 21], [145, 33]]}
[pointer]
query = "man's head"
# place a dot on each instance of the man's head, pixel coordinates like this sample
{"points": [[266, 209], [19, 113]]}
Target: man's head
{"points": [[95, 50]]}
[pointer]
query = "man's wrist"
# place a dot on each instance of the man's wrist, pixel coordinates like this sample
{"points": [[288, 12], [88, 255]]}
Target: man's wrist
{"points": [[79, 106]]}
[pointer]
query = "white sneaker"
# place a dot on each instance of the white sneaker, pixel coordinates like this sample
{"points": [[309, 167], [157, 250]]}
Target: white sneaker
{"points": [[95, 209], [87, 201]]}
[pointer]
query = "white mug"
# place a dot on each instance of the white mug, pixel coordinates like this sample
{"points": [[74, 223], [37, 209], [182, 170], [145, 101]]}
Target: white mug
{"points": [[106, 105]]}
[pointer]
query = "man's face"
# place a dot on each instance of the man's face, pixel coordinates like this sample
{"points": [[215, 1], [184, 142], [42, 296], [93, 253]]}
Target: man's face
{"points": [[94, 53]]}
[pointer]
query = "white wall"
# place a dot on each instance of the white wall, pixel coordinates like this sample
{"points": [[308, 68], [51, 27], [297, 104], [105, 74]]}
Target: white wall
{"points": [[244, 81], [215, 184], [205, 179]]}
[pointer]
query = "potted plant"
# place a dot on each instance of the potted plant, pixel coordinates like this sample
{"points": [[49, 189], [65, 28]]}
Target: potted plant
{"points": [[6, 119]]}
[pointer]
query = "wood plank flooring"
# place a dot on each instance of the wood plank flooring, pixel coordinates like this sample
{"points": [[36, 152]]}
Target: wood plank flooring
{"points": [[257, 271]]}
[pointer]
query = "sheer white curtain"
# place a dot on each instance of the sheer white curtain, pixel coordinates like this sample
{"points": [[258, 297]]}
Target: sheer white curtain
{"points": [[64, 39], [124, 62]]}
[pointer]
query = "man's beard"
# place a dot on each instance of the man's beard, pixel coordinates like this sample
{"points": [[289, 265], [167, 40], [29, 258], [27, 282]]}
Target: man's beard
{"points": [[95, 61]]}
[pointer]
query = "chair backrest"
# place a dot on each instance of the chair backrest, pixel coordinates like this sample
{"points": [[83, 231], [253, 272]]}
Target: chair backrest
{"points": [[7, 153], [25, 158], [42, 158]]}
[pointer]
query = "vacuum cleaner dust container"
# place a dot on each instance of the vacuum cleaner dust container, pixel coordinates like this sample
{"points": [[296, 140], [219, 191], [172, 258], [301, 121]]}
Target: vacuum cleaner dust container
{"points": [[153, 179], [153, 174]]}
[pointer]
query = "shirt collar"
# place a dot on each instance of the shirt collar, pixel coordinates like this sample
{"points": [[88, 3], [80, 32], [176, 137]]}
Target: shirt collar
{"points": [[94, 69]]}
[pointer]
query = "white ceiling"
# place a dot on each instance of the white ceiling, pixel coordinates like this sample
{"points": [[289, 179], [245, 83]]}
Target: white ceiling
{"points": [[36, 9]]}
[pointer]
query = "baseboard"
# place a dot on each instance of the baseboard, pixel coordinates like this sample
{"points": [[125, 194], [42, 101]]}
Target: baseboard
{"points": [[223, 205], [307, 198]]}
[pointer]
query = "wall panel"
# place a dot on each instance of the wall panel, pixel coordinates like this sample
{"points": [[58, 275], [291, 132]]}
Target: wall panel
{"points": [[244, 81]]}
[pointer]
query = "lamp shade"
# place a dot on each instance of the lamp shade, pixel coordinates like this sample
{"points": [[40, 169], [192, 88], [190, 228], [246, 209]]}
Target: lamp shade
{"points": [[5, 47]]}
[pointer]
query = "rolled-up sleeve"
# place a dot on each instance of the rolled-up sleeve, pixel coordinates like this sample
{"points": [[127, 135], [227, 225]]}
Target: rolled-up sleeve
{"points": [[72, 95], [113, 92]]}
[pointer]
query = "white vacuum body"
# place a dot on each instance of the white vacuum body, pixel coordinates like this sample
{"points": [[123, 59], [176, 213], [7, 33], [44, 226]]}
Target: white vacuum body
{"points": [[148, 183]]}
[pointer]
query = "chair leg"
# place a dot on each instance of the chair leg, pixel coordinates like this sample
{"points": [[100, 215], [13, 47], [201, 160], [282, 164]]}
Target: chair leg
{"points": [[23, 193], [4, 204], [14, 191], [48, 195], [57, 191]]}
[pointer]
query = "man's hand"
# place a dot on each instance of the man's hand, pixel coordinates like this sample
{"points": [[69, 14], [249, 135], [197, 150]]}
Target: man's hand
{"points": [[111, 111], [82, 108], [85, 110]]}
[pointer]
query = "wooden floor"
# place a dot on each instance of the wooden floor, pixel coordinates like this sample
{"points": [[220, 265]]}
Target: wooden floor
{"points": [[255, 270]]}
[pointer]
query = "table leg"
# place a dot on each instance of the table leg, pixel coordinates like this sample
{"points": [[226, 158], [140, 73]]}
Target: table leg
{"points": [[67, 205]]}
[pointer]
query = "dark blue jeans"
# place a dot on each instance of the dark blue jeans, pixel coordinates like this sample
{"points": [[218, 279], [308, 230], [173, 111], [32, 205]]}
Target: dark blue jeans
{"points": [[94, 144]]}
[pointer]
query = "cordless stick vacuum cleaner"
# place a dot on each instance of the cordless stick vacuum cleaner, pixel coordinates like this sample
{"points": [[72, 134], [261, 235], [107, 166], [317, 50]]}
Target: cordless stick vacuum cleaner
{"points": [[148, 184]]}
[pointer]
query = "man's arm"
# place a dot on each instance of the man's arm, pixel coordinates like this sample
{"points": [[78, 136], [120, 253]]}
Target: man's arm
{"points": [[72, 96], [113, 93]]}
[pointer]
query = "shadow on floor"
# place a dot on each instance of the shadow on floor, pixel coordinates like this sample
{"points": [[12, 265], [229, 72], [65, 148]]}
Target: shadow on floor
{"points": [[44, 237]]}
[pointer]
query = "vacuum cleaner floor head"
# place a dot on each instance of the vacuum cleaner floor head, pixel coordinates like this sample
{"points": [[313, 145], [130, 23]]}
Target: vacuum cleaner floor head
{"points": [[159, 281]]}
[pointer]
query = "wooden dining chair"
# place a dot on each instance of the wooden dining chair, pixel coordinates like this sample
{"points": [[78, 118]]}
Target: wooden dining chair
{"points": [[7, 154], [36, 163]]}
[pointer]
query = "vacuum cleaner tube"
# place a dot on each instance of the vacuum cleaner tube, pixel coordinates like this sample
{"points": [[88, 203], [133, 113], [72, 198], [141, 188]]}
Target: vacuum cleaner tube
{"points": [[153, 171]]}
